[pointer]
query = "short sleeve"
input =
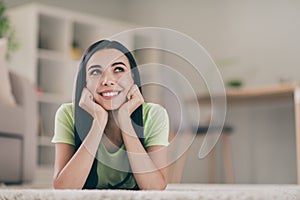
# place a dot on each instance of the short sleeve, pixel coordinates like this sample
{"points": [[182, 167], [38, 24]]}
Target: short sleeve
{"points": [[156, 125], [64, 125]]}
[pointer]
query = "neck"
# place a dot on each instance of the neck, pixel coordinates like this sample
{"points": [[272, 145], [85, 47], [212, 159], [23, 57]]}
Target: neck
{"points": [[112, 130]]}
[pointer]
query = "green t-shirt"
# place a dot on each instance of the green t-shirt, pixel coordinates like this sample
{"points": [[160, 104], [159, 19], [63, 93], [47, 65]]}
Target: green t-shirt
{"points": [[113, 167]]}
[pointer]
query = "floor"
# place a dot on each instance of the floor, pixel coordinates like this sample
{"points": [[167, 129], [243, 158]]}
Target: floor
{"points": [[177, 191]]}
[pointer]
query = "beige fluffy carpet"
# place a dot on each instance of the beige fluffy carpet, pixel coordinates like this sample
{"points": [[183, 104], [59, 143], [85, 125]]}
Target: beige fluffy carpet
{"points": [[173, 191]]}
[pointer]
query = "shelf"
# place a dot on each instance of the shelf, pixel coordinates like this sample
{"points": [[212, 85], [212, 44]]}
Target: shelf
{"points": [[47, 54], [47, 35], [47, 115], [52, 32], [45, 141], [81, 30], [55, 76], [46, 155], [52, 98]]}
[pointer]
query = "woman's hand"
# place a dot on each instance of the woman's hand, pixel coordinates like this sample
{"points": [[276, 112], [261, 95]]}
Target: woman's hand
{"points": [[135, 99], [95, 110]]}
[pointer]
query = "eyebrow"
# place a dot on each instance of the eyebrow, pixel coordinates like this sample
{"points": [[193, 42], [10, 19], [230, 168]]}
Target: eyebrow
{"points": [[118, 63], [99, 66], [94, 66]]}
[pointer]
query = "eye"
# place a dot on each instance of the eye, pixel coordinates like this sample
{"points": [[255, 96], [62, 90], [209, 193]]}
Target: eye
{"points": [[95, 72], [119, 69]]}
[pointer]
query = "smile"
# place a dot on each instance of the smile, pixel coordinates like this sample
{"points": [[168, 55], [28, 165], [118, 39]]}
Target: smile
{"points": [[109, 94]]}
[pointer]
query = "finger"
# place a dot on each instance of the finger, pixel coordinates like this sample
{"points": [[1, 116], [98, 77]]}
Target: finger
{"points": [[129, 94], [134, 88], [136, 101], [86, 101], [87, 93], [135, 104]]}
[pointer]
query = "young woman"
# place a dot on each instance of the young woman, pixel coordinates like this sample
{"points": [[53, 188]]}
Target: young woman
{"points": [[109, 137]]}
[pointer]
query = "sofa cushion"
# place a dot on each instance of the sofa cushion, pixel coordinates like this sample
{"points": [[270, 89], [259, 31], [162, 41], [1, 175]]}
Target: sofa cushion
{"points": [[11, 159], [6, 96], [11, 119]]}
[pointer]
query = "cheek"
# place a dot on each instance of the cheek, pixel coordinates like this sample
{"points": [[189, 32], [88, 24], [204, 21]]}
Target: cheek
{"points": [[91, 85], [126, 81]]}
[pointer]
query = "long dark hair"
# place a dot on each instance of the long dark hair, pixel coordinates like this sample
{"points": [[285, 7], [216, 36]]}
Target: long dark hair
{"points": [[83, 120]]}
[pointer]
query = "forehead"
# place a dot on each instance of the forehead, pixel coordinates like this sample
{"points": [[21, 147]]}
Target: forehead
{"points": [[105, 57]]}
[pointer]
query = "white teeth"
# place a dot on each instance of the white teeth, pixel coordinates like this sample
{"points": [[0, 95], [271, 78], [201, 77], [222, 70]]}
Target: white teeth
{"points": [[109, 94]]}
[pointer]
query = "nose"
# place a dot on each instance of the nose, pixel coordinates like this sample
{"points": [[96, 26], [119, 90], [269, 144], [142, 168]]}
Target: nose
{"points": [[107, 79]]}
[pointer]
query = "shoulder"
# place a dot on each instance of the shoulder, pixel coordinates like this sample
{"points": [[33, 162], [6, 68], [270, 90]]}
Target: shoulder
{"points": [[64, 124], [65, 111], [152, 109], [156, 125], [154, 114], [66, 108]]}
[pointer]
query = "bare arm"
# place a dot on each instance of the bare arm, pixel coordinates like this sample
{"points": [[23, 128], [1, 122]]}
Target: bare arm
{"points": [[149, 167], [71, 168]]}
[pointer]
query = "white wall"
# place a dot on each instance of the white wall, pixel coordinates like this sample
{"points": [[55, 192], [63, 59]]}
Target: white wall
{"points": [[108, 8], [260, 37]]}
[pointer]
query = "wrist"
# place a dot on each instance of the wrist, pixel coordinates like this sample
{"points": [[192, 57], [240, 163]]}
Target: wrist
{"points": [[124, 121], [98, 124], [127, 128]]}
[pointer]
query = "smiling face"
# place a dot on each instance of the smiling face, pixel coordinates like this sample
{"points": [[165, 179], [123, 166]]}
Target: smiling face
{"points": [[108, 77]]}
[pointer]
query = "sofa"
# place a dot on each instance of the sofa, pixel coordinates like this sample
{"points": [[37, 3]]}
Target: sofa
{"points": [[18, 133]]}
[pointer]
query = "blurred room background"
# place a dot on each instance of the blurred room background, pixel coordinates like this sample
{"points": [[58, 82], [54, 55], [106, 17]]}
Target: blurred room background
{"points": [[255, 42]]}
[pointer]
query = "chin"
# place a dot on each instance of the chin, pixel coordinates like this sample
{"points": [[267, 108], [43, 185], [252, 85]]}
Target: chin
{"points": [[111, 107]]}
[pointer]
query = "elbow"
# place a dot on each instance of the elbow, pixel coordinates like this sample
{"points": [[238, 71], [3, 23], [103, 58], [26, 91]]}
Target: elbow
{"points": [[155, 186], [60, 185], [56, 185], [163, 186]]}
